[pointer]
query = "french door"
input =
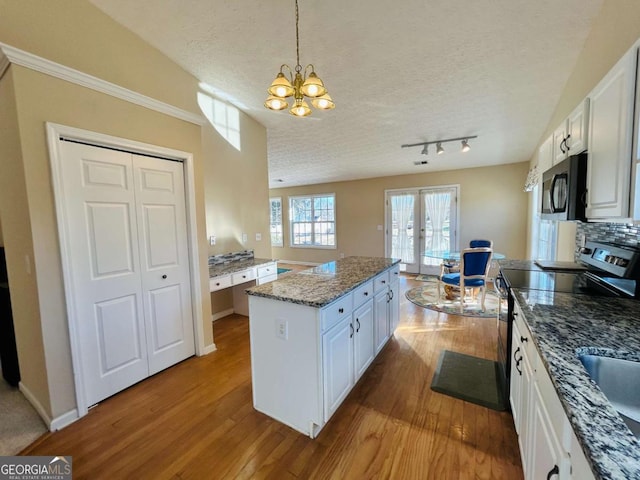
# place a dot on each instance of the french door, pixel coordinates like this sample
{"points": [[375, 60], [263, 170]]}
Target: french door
{"points": [[420, 220], [126, 219]]}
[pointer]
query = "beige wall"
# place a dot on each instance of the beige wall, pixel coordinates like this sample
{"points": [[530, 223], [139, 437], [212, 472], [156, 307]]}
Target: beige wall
{"points": [[237, 189], [492, 205], [613, 32], [76, 34], [1, 240], [19, 247]]}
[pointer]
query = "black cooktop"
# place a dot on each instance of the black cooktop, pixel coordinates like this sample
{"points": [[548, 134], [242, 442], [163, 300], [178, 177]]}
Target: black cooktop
{"points": [[550, 281]]}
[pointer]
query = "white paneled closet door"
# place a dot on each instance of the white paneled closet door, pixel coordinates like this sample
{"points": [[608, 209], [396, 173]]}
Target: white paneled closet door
{"points": [[125, 217], [164, 256]]}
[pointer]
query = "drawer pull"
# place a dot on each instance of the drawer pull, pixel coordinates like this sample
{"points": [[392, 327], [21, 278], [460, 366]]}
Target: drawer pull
{"points": [[523, 339], [217, 284], [341, 310], [383, 281], [164, 277], [366, 294]]}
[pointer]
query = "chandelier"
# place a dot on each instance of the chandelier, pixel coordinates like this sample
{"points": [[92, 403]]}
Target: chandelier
{"points": [[299, 86]]}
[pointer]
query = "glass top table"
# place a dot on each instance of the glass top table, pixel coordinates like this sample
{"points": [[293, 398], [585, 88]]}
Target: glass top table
{"points": [[454, 256]]}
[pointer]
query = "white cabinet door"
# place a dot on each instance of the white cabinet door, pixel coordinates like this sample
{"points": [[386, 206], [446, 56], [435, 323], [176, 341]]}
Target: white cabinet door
{"points": [[545, 155], [524, 436], [577, 129], [364, 349], [559, 148], [394, 304], [610, 138], [337, 355], [381, 316], [547, 458], [515, 393]]}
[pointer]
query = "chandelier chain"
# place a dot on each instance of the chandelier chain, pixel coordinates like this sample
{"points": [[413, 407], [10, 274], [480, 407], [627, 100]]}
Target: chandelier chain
{"points": [[298, 66]]}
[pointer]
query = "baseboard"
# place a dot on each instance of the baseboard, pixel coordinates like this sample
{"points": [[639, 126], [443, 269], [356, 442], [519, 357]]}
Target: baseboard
{"points": [[36, 404], [208, 349], [63, 420], [223, 313]]}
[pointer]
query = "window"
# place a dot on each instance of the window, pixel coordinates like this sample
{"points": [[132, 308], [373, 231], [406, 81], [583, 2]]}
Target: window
{"points": [[276, 222], [313, 221]]}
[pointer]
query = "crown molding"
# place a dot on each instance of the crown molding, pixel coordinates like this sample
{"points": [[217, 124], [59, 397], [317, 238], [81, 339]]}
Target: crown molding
{"points": [[10, 55], [4, 63]]}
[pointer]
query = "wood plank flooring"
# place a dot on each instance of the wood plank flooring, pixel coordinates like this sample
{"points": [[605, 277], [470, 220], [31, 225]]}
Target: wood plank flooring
{"points": [[196, 419]]}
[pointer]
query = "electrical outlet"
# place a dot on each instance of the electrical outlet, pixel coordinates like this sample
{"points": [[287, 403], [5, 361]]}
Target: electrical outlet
{"points": [[258, 237], [342, 255], [379, 228], [244, 238], [282, 329]]}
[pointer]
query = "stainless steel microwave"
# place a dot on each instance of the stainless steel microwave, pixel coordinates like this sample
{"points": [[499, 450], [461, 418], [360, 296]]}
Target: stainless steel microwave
{"points": [[564, 189]]}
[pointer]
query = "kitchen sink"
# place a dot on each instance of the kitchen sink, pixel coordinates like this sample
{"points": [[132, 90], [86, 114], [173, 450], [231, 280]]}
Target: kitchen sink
{"points": [[619, 380]]}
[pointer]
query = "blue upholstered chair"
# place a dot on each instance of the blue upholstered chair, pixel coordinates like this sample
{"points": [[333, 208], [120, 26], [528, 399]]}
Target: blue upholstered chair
{"points": [[474, 270], [481, 243]]}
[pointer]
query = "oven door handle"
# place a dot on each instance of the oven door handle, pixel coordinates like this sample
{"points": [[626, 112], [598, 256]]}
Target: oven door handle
{"points": [[500, 286]]}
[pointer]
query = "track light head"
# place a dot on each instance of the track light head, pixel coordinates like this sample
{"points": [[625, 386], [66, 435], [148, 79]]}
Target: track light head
{"points": [[465, 146], [425, 150], [439, 149]]}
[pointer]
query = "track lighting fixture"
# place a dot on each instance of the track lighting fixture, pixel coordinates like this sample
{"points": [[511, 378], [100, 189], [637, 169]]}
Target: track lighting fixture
{"points": [[439, 148]]}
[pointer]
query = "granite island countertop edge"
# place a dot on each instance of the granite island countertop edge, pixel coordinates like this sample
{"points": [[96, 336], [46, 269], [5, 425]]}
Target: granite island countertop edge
{"points": [[341, 286]]}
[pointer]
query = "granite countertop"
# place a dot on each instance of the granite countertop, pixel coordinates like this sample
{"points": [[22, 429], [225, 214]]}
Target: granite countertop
{"points": [[519, 265], [564, 326], [322, 285], [236, 266]]}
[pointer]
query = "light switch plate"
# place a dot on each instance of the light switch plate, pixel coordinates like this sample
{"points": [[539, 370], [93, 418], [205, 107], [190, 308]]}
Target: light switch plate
{"points": [[258, 237], [244, 238]]}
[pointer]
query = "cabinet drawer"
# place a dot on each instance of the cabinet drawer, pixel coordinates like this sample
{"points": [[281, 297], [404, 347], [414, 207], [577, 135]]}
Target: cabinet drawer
{"points": [[243, 276], [266, 270], [266, 279], [381, 281], [331, 314], [218, 283], [363, 293], [394, 273]]}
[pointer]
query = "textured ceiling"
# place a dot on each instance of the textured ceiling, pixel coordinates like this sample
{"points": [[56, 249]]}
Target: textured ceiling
{"points": [[399, 72]]}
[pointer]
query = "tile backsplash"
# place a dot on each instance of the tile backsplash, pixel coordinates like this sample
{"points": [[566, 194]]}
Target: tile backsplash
{"points": [[627, 234]]}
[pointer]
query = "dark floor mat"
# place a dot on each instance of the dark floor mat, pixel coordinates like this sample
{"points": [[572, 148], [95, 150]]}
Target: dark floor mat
{"points": [[469, 378]]}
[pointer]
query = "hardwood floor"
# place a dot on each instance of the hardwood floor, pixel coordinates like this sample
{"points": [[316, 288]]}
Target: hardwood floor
{"points": [[196, 420]]}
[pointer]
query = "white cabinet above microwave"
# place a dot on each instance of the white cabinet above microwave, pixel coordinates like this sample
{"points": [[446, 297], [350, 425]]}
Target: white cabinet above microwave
{"points": [[570, 138]]}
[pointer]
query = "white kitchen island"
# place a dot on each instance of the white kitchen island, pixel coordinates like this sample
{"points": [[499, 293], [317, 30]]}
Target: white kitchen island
{"points": [[315, 332]]}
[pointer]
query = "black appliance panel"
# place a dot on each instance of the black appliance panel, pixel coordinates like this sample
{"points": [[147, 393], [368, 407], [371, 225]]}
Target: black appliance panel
{"points": [[564, 189]]}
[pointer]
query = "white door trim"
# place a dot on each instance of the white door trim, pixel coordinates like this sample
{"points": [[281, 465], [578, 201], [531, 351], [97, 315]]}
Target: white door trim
{"points": [[54, 132]]}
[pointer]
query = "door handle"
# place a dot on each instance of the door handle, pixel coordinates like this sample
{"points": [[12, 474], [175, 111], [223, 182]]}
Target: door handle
{"points": [[518, 365], [516, 353], [358, 322], [351, 325]]}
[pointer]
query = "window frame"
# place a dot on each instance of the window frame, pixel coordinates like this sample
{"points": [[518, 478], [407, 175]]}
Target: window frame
{"points": [[271, 223], [291, 223]]}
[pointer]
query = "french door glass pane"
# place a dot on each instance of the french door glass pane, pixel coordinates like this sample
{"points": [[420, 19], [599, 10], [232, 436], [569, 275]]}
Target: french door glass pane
{"points": [[402, 233], [437, 232]]}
